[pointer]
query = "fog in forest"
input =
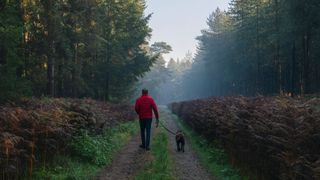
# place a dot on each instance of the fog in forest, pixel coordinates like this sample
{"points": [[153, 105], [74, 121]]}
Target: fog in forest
{"points": [[254, 48], [71, 72], [102, 50]]}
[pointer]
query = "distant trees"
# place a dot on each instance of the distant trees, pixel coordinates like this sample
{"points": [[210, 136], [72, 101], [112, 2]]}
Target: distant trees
{"points": [[164, 79], [73, 48], [172, 89], [158, 73], [258, 47]]}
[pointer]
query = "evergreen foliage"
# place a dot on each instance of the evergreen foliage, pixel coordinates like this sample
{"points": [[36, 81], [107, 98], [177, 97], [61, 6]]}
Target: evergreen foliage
{"points": [[73, 48], [258, 47]]}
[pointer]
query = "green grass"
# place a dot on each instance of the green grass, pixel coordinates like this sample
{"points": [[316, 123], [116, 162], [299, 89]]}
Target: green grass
{"points": [[213, 157], [67, 167], [160, 168], [89, 154]]}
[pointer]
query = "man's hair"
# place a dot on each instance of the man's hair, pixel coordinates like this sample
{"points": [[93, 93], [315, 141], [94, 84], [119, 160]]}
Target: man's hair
{"points": [[144, 91]]}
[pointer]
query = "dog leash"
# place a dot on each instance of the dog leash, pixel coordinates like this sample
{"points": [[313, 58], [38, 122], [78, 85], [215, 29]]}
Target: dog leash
{"points": [[166, 128]]}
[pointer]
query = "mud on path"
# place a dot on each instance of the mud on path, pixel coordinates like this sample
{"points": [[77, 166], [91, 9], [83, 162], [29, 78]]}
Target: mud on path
{"points": [[187, 165], [128, 162]]}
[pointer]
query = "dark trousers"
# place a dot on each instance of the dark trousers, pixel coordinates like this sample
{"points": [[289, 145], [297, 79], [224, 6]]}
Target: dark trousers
{"points": [[145, 130]]}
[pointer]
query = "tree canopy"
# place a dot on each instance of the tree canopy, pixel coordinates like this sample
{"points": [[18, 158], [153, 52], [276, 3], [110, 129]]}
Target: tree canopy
{"points": [[71, 48], [258, 47]]}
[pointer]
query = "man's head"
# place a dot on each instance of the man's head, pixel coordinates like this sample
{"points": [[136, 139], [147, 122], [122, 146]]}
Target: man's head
{"points": [[144, 91]]}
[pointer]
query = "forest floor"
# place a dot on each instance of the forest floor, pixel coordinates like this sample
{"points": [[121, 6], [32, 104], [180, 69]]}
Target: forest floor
{"points": [[131, 160]]}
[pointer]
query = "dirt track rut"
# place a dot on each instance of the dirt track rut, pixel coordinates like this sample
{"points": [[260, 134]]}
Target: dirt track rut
{"points": [[126, 163], [187, 165]]}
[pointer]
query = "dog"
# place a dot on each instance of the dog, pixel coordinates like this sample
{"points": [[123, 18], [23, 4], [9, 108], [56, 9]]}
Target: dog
{"points": [[180, 141]]}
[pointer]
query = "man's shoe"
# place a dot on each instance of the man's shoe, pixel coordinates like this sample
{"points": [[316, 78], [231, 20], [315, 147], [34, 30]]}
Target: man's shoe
{"points": [[147, 149], [142, 146]]}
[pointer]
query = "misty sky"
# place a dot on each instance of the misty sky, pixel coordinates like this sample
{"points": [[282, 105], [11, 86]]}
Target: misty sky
{"points": [[178, 22]]}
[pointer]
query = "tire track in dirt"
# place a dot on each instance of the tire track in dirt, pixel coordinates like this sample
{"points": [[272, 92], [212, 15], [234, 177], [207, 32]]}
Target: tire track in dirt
{"points": [[128, 162], [187, 166]]}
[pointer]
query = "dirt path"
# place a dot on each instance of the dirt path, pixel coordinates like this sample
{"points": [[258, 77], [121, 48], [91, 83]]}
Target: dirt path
{"points": [[128, 162], [187, 165]]}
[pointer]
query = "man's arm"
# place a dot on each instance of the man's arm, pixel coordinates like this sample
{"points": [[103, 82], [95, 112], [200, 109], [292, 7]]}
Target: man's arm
{"points": [[155, 110], [136, 107]]}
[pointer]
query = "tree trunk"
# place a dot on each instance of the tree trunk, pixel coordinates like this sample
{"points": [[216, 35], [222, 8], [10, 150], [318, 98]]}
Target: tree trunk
{"points": [[277, 57], [280, 78], [25, 41], [306, 67], [107, 95], [107, 77], [258, 75], [50, 47], [50, 76], [293, 69], [60, 81], [74, 71]]}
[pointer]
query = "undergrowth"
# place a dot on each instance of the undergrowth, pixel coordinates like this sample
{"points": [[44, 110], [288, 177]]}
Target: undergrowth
{"points": [[160, 168], [89, 153], [210, 154]]}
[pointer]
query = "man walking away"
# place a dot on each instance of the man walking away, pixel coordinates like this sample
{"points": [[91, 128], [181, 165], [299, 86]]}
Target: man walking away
{"points": [[144, 106]]}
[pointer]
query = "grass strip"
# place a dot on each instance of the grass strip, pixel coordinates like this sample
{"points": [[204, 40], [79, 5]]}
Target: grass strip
{"points": [[89, 154], [213, 157], [160, 168]]}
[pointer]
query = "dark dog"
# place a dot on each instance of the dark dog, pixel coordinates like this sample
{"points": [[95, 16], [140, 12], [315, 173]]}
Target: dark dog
{"points": [[180, 141]]}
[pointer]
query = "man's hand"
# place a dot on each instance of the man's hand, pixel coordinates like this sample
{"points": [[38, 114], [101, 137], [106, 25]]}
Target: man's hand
{"points": [[157, 123]]}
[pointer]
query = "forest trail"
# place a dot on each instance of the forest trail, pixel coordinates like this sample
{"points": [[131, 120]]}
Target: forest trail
{"points": [[187, 166], [130, 160]]}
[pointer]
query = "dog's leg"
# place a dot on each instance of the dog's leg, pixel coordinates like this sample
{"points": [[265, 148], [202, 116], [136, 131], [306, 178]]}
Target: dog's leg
{"points": [[178, 147], [182, 144], [182, 147]]}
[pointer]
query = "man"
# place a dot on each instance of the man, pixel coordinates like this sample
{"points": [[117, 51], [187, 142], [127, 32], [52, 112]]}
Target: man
{"points": [[144, 106]]}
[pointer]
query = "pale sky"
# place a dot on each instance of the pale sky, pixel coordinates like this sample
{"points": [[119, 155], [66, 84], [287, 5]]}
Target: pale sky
{"points": [[179, 22]]}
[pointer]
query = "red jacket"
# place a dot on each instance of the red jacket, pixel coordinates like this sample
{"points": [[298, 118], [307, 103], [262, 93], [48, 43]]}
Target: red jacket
{"points": [[144, 106]]}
